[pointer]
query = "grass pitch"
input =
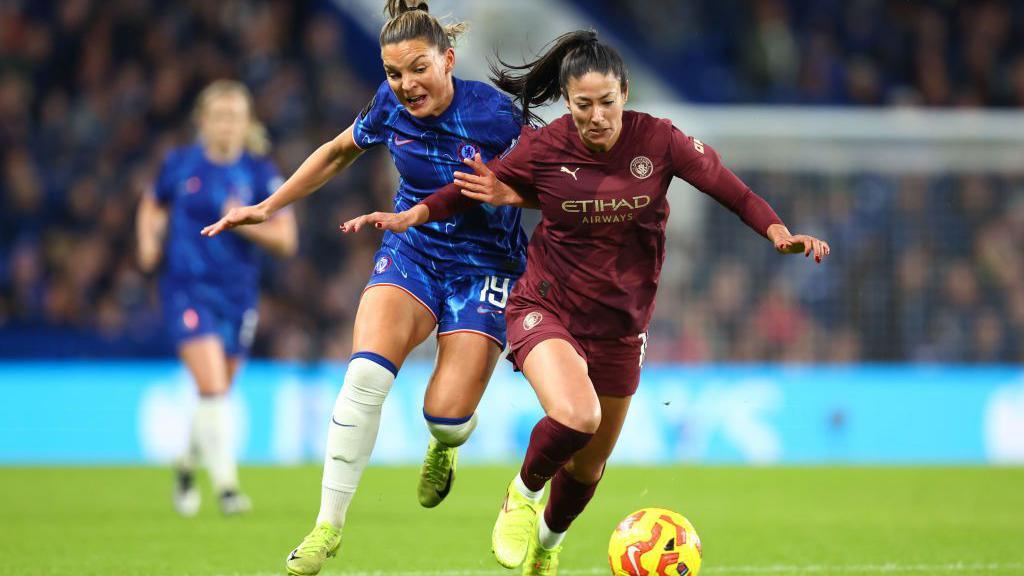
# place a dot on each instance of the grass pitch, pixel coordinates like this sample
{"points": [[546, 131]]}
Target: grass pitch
{"points": [[773, 521]]}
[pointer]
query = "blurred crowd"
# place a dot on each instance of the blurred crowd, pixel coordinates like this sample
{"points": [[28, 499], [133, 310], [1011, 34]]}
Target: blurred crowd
{"points": [[93, 95], [923, 269], [860, 52]]}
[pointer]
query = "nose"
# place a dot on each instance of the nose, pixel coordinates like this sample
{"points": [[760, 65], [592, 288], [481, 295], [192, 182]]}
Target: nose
{"points": [[407, 85], [598, 116]]}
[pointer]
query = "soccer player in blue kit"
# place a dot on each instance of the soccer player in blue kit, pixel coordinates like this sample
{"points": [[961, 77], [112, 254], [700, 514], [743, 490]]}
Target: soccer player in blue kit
{"points": [[209, 289], [454, 275]]}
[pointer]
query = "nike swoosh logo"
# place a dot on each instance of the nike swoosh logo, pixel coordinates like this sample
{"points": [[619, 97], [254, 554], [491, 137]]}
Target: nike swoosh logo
{"points": [[340, 424], [293, 556], [401, 142]]}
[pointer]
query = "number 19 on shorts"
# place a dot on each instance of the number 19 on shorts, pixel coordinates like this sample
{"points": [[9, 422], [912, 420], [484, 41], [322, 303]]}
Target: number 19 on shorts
{"points": [[495, 291]]}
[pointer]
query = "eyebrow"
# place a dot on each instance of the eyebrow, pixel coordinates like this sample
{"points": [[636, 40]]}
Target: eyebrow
{"points": [[601, 97], [389, 67]]}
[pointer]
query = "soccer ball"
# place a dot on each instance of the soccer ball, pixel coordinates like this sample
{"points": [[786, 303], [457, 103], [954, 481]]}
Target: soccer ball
{"points": [[654, 541]]}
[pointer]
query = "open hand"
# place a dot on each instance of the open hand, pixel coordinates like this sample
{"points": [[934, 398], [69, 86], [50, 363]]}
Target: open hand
{"points": [[395, 222], [237, 216], [797, 243]]}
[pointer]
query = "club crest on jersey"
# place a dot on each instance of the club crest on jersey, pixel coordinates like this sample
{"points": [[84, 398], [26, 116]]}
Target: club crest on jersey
{"points": [[193, 184], [641, 167], [190, 319], [382, 265], [531, 320], [467, 150]]}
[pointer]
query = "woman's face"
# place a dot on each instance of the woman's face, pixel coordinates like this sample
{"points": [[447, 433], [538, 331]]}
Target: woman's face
{"points": [[225, 121], [596, 101], [419, 75]]}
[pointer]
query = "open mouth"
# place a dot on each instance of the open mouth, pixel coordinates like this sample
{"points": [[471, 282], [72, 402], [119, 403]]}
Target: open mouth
{"points": [[416, 101]]}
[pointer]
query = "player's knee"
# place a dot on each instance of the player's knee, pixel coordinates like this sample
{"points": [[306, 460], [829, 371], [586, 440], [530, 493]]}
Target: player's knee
{"points": [[583, 417], [368, 379], [451, 431]]}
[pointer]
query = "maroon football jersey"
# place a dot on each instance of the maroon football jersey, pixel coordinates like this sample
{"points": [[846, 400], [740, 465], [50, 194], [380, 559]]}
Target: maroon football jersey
{"points": [[596, 255]]}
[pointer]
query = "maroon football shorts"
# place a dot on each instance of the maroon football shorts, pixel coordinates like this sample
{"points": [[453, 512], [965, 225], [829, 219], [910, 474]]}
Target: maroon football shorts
{"points": [[613, 364]]}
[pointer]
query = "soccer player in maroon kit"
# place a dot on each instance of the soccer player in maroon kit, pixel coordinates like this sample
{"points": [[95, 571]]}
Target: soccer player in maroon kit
{"points": [[577, 318]]}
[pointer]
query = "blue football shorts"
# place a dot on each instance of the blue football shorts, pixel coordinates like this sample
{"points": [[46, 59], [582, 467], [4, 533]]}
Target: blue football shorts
{"points": [[458, 302]]}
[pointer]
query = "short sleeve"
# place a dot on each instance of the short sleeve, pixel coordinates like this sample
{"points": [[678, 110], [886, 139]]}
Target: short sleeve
{"points": [[515, 165], [369, 129], [163, 189], [508, 121]]}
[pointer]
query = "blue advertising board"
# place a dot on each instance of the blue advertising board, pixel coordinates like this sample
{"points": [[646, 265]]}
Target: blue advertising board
{"points": [[138, 412]]}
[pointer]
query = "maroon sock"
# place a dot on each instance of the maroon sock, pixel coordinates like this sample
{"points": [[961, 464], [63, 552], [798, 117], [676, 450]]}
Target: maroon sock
{"points": [[551, 446], [568, 499]]}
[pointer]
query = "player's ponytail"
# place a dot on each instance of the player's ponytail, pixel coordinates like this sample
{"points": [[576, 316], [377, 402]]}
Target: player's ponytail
{"points": [[257, 142], [409, 19], [545, 79]]}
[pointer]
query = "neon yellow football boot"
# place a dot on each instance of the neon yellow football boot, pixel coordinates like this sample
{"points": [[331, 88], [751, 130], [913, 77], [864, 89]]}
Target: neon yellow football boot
{"points": [[437, 473], [516, 525], [539, 560], [319, 545]]}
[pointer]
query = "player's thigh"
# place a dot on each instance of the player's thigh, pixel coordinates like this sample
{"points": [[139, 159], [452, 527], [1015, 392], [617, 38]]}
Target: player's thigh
{"points": [[558, 375], [205, 359], [465, 362], [587, 465], [390, 322]]}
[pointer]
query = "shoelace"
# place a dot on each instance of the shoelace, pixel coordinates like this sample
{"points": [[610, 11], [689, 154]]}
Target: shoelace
{"points": [[318, 540], [438, 463], [546, 559]]}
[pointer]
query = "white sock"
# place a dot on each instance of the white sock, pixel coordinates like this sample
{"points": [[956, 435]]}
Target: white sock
{"points": [[214, 438], [533, 496], [333, 506], [191, 458], [548, 539], [448, 433], [353, 432]]}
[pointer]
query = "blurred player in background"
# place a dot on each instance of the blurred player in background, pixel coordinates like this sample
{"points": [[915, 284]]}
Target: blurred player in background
{"points": [[578, 317], [454, 276], [209, 288]]}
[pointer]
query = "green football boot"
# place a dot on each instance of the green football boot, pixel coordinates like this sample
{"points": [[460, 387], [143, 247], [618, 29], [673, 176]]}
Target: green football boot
{"points": [[515, 527], [437, 474], [539, 560], [319, 545]]}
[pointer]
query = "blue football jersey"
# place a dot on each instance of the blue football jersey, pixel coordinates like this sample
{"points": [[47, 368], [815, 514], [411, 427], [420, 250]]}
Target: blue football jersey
{"points": [[194, 190], [427, 152]]}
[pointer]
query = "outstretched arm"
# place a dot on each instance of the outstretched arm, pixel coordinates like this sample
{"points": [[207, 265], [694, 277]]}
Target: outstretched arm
{"points": [[322, 165], [701, 166]]}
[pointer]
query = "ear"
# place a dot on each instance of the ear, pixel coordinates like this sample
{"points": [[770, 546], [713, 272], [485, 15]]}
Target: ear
{"points": [[625, 94], [449, 60]]}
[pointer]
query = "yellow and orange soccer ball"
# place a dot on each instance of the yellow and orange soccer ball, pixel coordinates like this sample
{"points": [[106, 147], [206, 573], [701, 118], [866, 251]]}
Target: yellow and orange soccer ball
{"points": [[655, 542]]}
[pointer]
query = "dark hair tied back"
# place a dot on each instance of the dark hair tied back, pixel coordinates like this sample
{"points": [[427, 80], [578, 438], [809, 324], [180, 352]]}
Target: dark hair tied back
{"points": [[411, 19], [546, 79]]}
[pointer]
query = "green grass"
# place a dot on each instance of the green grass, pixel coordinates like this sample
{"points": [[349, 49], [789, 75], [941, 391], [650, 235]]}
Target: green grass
{"points": [[850, 521]]}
